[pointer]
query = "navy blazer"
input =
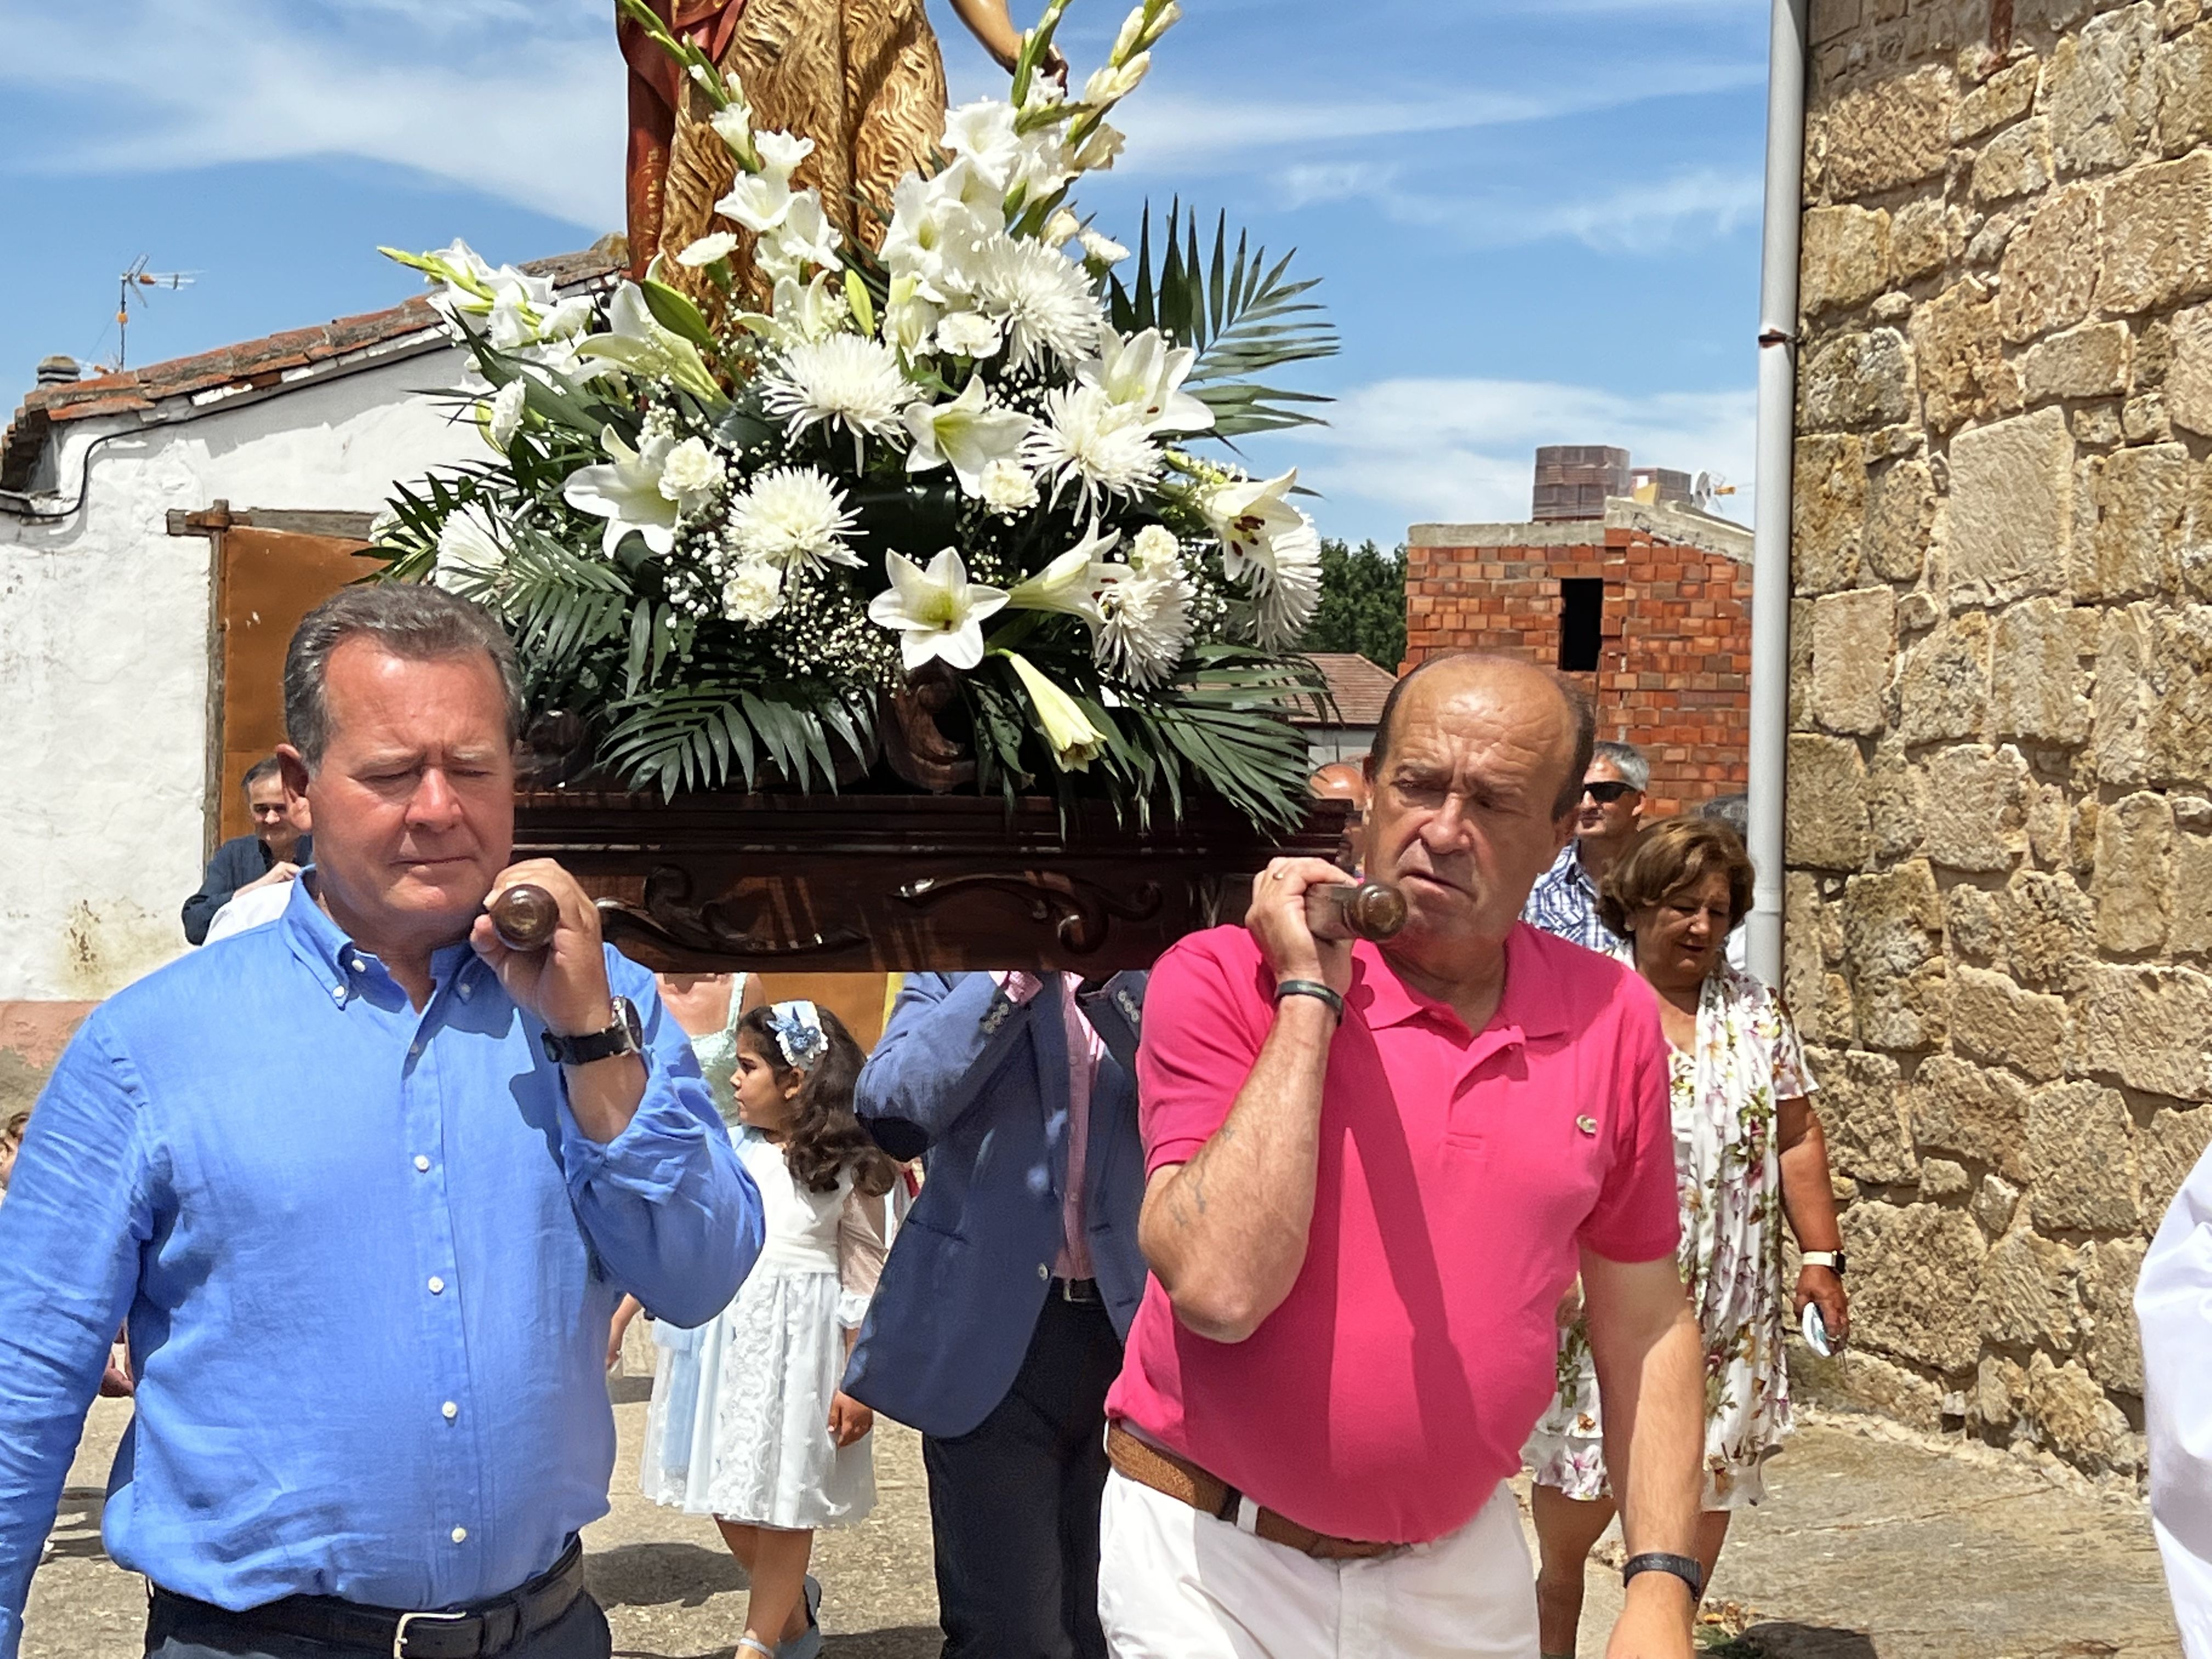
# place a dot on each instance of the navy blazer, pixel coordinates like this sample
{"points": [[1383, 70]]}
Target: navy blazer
{"points": [[978, 1084]]}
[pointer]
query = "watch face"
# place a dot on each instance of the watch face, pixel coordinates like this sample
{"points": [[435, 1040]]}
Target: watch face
{"points": [[626, 1016]]}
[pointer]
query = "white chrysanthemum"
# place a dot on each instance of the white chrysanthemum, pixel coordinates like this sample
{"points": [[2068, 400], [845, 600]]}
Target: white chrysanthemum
{"points": [[1286, 586], [1089, 440], [969, 335], [793, 517], [470, 557], [845, 380], [691, 475], [1008, 489], [1155, 549], [1146, 617], [1043, 298], [754, 592]]}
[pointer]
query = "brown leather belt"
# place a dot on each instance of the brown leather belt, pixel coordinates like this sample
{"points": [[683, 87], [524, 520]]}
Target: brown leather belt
{"points": [[1187, 1483]]}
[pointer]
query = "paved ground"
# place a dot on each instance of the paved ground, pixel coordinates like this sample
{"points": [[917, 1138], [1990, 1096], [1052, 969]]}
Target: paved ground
{"points": [[1873, 1545]]}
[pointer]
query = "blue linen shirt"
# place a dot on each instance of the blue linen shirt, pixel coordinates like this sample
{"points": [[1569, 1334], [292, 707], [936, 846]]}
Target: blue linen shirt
{"points": [[1564, 904], [368, 1260]]}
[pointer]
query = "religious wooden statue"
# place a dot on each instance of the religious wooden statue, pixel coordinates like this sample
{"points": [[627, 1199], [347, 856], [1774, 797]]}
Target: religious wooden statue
{"points": [[861, 78]]}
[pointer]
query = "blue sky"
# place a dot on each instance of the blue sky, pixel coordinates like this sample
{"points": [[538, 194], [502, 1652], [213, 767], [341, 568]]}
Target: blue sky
{"points": [[1538, 220]]}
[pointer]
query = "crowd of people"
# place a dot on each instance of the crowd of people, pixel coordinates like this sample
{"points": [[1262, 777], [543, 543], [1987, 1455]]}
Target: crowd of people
{"points": [[1232, 1297]]}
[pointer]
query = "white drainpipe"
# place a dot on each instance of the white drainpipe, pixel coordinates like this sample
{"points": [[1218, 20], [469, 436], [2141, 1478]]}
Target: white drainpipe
{"points": [[1777, 414]]}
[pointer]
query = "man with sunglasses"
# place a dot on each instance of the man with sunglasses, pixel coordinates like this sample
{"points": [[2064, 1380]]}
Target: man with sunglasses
{"points": [[1564, 899]]}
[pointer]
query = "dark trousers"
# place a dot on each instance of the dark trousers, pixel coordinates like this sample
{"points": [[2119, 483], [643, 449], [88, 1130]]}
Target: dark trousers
{"points": [[1013, 1506], [580, 1634]]}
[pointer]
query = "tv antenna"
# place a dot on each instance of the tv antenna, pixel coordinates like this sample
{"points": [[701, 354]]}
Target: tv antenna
{"points": [[1706, 486], [133, 288]]}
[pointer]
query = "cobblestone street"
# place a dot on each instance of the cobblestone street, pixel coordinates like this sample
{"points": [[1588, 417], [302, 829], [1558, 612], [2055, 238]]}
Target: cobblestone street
{"points": [[1874, 1544]]}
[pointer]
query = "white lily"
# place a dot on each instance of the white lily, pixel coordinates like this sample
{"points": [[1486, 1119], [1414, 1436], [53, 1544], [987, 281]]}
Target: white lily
{"points": [[1075, 742], [1248, 514], [1144, 375], [909, 318], [636, 339], [811, 311], [626, 493], [1069, 584], [939, 614], [966, 434]]}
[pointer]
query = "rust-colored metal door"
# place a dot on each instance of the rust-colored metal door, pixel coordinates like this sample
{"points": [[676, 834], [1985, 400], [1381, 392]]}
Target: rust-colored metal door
{"points": [[266, 580]]}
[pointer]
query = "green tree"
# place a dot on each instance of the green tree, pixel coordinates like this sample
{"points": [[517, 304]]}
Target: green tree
{"points": [[1362, 603]]}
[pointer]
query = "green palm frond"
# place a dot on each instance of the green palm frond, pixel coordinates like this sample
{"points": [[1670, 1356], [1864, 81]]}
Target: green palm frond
{"points": [[1236, 311], [717, 735]]}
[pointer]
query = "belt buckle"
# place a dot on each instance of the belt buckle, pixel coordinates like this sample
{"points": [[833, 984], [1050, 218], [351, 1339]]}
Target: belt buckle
{"points": [[399, 1635]]}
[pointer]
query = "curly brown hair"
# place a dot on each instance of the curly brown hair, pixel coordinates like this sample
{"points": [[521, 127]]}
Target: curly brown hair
{"points": [[825, 1138], [1669, 856]]}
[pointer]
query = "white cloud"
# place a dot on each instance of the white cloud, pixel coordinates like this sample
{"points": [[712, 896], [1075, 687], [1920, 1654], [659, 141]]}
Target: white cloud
{"points": [[1462, 451], [1636, 218], [524, 107]]}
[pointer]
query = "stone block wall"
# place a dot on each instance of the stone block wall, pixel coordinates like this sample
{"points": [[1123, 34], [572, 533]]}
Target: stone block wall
{"points": [[1999, 933], [1674, 671]]}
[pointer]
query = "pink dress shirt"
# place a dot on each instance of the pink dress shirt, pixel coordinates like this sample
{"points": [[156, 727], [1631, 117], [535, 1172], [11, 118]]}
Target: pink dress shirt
{"points": [[1084, 1053]]}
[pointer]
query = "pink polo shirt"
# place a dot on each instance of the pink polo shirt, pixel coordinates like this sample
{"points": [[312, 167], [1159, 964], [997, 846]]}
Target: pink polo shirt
{"points": [[1459, 1175]]}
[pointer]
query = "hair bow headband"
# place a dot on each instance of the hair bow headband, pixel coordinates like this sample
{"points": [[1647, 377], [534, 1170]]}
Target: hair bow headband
{"points": [[796, 1027]]}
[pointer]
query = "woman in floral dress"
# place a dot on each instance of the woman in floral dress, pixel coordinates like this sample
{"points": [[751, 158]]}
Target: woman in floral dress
{"points": [[1747, 1152]]}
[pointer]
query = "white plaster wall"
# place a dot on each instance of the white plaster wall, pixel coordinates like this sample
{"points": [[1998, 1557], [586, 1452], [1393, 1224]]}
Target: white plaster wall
{"points": [[104, 655]]}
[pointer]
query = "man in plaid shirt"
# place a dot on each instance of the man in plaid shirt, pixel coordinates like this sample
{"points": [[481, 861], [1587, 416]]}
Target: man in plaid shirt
{"points": [[1563, 902]]}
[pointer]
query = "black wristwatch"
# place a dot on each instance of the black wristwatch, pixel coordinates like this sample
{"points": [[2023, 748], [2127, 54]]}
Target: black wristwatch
{"points": [[625, 1036], [1684, 1567]]}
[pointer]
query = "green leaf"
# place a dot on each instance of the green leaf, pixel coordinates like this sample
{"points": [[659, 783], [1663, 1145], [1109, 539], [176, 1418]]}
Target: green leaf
{"points": [[675, 312]]}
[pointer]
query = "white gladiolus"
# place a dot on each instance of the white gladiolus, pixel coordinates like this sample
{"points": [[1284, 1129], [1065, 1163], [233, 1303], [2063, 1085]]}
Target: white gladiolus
{"points": [[806, 237], [984, 133], [1102, 251], [781, 154], [793, 518], [1144, 375], [753, 592], [910, 319], [503, 418], [965, 433], [733, 124], [1101, 150], [1110, 83], [936, 231], [1008, 489], [1061, 229], [813, 310], [938, 613], [844, 381], [691, 475], [1088, 442], [967, 335], [707, 249], [626, 493]]}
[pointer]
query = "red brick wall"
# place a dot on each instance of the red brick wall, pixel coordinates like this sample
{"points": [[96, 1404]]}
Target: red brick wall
{"points": [[1674, 667]]}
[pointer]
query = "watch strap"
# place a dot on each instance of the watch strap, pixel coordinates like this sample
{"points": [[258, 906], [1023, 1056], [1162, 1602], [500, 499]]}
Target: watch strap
{"points": [[1684, 1567], [1314, 988], [619, 1038], [1831, 1259]]}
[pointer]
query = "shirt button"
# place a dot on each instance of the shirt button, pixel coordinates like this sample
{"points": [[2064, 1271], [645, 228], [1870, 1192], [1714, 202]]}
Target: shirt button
{"points": [[338, 992], [414, 1051], [450, 1410], [422, 1163], [460, 1534], [359, 966], [437, 1285], [1044, 1270]]}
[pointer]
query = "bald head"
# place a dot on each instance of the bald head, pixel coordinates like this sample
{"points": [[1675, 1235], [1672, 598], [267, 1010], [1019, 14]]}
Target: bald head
{"points": [[1533, 694]]}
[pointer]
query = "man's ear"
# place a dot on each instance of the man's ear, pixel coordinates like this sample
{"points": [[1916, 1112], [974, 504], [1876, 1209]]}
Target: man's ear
{"points": [[294, 771]]}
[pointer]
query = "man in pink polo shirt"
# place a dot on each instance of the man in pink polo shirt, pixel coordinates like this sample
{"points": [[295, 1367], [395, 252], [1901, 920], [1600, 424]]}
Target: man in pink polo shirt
{"points": [[1372, 1174]]}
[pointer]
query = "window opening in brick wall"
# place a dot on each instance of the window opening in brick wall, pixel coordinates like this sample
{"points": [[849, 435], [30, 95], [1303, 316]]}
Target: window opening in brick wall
{"points": [[1582, 611]]}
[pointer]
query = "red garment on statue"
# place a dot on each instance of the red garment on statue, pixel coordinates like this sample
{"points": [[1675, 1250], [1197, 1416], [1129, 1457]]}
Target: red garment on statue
{"points": [[656, 84]]}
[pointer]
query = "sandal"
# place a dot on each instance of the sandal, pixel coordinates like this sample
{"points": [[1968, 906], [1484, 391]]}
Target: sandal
{"points": [[808, 1644], [757, 1646]]}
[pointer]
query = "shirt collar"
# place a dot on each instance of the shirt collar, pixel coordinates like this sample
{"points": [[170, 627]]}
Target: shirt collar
{"points": [[335, 959], [1530, 1003]]}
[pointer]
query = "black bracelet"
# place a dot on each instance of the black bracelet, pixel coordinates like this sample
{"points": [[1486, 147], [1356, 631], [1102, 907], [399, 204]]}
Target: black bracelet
{"points": [[1684, 1567], [1314, 988]]}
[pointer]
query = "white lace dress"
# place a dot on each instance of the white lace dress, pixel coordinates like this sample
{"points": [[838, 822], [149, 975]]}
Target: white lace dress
{"points": [[739, 1423]]}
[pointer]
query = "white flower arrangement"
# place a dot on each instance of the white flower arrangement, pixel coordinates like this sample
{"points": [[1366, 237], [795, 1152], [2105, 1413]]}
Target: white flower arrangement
{"points": [[735, 504]]}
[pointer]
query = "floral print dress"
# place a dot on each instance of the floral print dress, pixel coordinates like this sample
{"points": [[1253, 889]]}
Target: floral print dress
{"points": [[1724, 1098]]}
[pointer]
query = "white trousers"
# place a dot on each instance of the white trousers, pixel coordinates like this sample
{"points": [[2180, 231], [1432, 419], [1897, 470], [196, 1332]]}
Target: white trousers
{"points": [[1176, 1584]]}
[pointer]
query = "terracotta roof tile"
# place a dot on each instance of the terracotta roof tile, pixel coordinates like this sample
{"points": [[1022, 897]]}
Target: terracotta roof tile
{"points": [[1358, 686], [250, 366]]}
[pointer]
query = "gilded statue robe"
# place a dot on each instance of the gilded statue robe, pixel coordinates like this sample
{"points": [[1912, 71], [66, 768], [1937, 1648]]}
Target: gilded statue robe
{"points": [[862, 78]]}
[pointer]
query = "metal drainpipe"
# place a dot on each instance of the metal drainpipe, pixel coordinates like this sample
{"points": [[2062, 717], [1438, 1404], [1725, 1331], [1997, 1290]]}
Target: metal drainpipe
{"points": [[1777, 414]]}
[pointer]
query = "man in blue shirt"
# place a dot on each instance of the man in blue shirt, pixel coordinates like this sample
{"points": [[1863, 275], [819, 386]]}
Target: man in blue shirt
{"points": [[1563, 902], [366, 1187]]}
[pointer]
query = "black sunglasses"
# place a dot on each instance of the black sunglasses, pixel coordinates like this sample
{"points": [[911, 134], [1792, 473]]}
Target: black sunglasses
{"points": [[1609, 791]]}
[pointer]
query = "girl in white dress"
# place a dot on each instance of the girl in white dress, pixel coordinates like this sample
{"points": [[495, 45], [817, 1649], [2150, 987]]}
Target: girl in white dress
{"points": [[747, 1422]]}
